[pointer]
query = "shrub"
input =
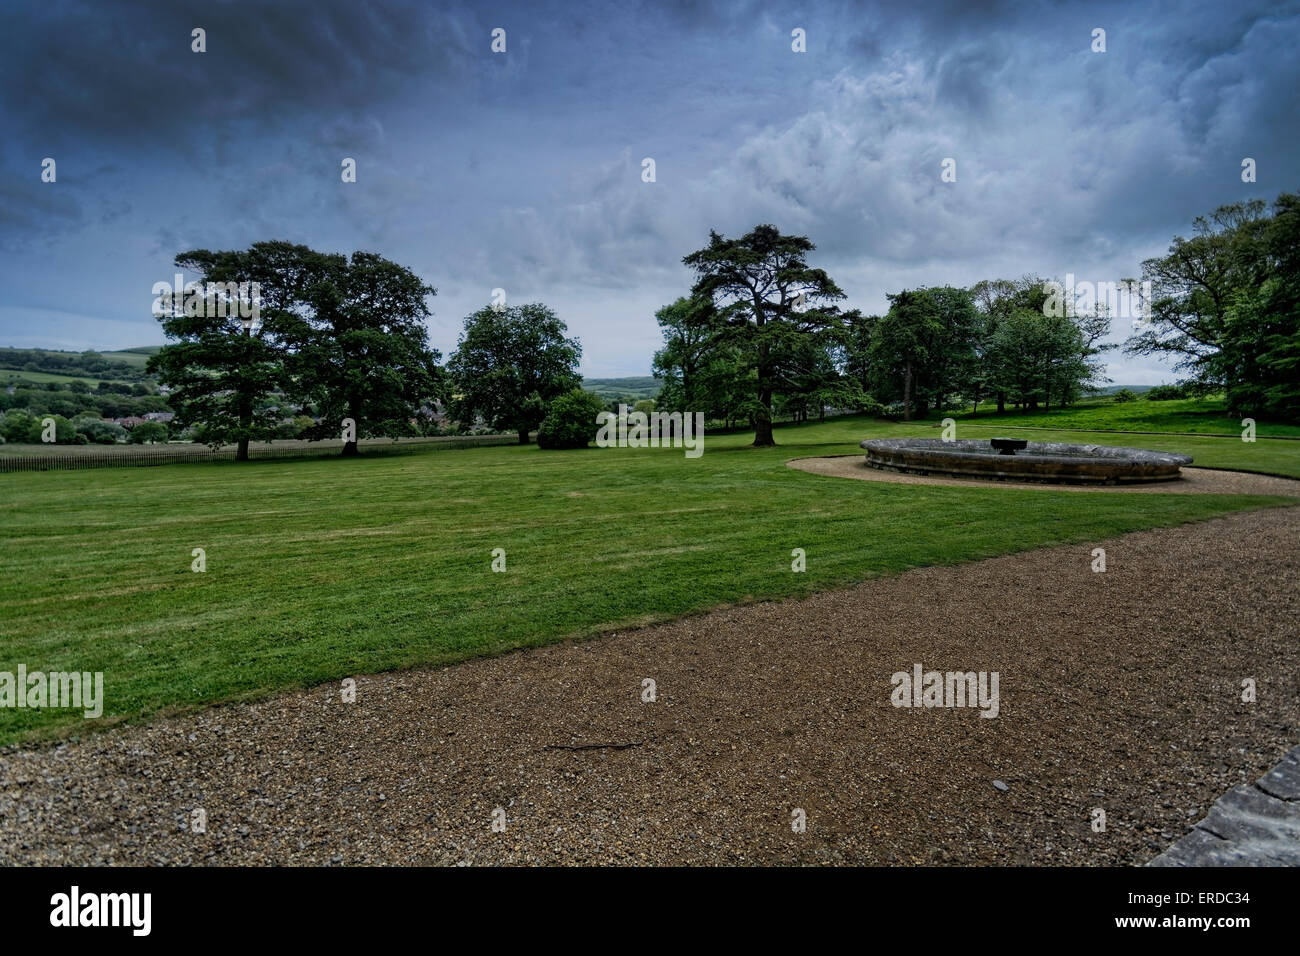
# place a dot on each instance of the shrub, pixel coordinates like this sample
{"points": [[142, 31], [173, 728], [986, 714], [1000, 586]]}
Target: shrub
{"points": [[63, 430], [1126, 395], [148, 432], [15, 425], [100, 432], [1165, 393], [570, 420]]}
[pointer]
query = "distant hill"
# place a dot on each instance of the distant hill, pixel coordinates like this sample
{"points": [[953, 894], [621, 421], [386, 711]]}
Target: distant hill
{"points": [[636, 387], [124, 365], [136, 356], [1112, 389]]}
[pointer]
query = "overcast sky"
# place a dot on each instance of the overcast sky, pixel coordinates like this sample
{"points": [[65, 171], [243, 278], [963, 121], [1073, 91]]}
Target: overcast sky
{"points": [[523, 170]]}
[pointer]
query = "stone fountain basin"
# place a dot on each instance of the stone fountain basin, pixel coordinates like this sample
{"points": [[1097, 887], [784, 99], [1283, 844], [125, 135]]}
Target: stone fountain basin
{"points": [[1046, 461]]}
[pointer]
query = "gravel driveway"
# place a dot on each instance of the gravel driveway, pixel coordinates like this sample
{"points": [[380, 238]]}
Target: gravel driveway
{"points": [[1118, 690]]}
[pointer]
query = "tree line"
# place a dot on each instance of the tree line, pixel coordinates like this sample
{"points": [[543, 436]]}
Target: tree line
{"points": [[341, 341], [761, 332]]}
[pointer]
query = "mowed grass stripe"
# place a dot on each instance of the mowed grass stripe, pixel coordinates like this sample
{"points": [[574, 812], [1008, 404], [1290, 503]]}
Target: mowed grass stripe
{"points": [[322, 569]]}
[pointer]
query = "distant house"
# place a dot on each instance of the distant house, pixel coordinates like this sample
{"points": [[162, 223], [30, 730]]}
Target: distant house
{"points": [[130, 421], [436, 414], [159, 416]]}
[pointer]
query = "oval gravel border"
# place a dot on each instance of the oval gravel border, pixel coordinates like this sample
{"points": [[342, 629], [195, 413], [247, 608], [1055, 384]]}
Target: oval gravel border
{"points": [[1195, 481]]}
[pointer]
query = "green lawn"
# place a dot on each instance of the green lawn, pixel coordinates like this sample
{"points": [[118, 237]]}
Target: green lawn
{"points": [[1200, 416], [321, 569], [1274, 456]]}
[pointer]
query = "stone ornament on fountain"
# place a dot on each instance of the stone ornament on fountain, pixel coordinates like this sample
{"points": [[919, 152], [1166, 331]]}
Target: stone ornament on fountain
{"points": [[1008, 446]]}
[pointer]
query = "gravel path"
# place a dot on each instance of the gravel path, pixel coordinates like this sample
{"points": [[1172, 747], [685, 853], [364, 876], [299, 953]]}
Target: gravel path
{"points": [[1195, 481], [1119, 691]]}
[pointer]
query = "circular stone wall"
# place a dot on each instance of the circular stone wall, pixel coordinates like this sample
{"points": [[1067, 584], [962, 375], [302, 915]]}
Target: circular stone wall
{"points": [[1038, 461]]}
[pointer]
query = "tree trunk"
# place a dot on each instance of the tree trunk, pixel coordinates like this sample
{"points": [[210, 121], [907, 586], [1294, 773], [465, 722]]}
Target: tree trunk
{"points": [[350, 447], [245, 424], [523, 436], [1002, 403], [763, 423], [763, 426], [907, 392]]}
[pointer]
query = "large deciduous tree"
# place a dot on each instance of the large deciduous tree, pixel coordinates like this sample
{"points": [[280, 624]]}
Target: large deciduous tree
{"points": [[1035, 358], [1034, 346], [1231, 309], [1194, 288], [363, 354], [699, 373], [1275, 307], [906, 345], [925, 347], [347, 336], [511, 362]]}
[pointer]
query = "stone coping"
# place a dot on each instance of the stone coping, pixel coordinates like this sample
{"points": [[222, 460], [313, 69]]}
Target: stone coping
{"points": [[1058, 462], [1255, 825]]}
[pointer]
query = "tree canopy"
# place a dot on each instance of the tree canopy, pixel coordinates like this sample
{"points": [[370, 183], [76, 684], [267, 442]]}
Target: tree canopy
{"points": [[766, 298], [345, 337], [512, 361], [1226, 305]]}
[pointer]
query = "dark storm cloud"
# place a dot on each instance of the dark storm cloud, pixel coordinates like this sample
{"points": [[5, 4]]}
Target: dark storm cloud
{"points": [[523, 170], [28, 211], [125, 73]]}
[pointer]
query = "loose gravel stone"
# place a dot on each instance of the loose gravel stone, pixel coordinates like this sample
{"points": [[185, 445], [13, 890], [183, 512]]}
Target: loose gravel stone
{"points": [[1119, 691]]}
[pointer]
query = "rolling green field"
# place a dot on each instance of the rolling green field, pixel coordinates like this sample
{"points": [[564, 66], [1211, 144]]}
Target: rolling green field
{"points": [[12, 364], [136, 356], [323, 569], [10, 376], [635, 387]]}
